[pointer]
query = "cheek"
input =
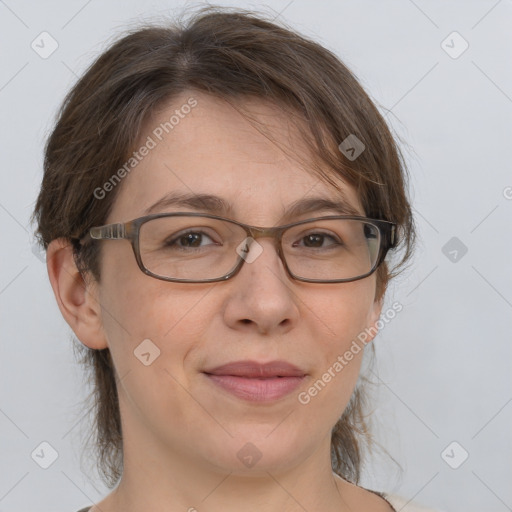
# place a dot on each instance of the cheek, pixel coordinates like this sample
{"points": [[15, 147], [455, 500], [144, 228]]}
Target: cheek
{"points": [[152, 329], [137, 307], [153, 310], [339, 318], [343, 312]]}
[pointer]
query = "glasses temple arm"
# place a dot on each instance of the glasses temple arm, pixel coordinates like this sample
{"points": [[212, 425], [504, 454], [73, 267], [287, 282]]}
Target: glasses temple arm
{"points": [[108, 232]]}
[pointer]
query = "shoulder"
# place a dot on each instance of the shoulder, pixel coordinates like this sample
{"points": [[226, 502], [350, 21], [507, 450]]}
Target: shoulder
{"points": [[357, 497], [405, 505]]}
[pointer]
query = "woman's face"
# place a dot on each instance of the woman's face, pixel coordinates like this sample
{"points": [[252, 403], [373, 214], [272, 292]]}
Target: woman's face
{"points": [[169, 405]]}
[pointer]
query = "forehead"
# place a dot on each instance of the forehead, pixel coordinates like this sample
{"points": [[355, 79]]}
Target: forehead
{"points": [[198, 152]]}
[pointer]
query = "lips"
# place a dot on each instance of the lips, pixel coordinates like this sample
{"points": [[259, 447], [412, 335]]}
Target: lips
{"points": [[257, 382], [252, 369]]}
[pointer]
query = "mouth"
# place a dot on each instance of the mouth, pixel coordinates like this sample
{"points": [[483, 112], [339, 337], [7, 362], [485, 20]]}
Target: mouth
{"points": [[257, 382]]}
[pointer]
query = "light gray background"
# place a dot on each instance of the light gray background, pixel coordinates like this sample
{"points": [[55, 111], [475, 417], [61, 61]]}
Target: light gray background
{"points": [[444, 361]]}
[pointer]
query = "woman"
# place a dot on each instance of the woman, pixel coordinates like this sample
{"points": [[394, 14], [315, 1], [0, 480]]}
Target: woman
{"points": [[226, 356]]}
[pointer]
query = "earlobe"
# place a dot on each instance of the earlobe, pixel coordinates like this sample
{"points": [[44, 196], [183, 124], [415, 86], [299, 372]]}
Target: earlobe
{"points": [[78, 301]]}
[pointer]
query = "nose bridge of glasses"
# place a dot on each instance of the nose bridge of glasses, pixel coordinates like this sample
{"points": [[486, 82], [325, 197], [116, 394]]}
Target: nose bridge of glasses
{"points": [[273, 232], [256, 232]]}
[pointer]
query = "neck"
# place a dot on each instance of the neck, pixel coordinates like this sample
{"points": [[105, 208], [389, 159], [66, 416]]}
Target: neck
{"points": [[164, 479]]}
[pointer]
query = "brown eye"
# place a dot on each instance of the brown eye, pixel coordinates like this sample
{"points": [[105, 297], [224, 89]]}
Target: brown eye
{"points": [[317, 240], [190, 239]]}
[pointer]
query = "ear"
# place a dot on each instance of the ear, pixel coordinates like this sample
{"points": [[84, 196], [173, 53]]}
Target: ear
{"points": [[77, 300], [373, 317]]}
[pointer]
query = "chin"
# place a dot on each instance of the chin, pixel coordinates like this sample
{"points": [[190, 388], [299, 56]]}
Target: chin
{"points": [[257, 454]]}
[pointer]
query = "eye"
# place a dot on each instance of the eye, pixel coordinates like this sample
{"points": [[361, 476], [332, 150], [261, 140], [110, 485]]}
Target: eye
{"points": [[189, 239], [316, 240]]}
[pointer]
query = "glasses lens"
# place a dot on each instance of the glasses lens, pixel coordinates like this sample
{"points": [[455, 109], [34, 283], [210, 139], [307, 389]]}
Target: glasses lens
{"points": [[199, 248], [332, 249], [189, 247]]}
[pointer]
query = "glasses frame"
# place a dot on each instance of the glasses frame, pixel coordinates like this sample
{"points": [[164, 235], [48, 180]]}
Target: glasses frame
{"points": [[130, 231]]}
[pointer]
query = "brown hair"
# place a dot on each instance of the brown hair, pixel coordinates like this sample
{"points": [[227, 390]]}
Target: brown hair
{"points": [[232, 54]]}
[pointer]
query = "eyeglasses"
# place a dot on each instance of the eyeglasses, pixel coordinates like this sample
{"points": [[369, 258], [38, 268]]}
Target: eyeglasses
{"points": [[202, 248]]}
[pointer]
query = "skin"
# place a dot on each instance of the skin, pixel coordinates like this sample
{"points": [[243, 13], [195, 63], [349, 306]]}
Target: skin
{"points": [[181, 433]]}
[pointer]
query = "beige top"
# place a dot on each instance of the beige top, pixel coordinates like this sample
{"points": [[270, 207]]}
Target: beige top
{"points": [[399, 503]]}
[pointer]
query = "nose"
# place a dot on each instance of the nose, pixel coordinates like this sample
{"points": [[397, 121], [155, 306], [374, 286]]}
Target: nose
{"points": [[261, 297]]}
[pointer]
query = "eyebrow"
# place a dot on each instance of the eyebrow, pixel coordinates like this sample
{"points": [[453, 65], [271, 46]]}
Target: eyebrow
{"points": [[209, 203]]}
